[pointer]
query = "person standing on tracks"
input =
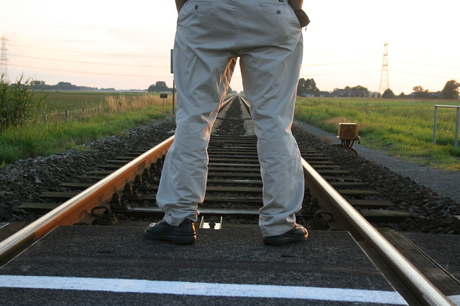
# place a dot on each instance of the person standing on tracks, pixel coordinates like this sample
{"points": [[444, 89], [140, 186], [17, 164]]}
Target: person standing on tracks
{"points": [[211, 34]]}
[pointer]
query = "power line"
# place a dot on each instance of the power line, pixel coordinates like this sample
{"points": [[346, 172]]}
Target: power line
{"points": [[153, 66], [345, 52], [86, 52], [424, 64], [423, 74], [342, 63], [338, 73], [86, 72], [94, 63], [4, 60]]}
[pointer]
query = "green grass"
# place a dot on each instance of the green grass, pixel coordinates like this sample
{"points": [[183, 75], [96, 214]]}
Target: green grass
{"points": [[69, 101], [62, 101], [40, 138], [47, 139], [402, 128]]}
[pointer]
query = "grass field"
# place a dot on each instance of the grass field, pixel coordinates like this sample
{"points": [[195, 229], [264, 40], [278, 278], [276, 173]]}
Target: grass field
{"points": [[91, 116], [402, 128], [62, 101]]}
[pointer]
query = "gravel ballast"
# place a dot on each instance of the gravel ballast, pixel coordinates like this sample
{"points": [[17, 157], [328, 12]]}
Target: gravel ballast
{"points": [[24, 180], [446, 183], [431, 196]]}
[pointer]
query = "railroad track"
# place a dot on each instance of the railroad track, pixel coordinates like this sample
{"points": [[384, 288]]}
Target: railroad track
{"points": [[126, 186]]}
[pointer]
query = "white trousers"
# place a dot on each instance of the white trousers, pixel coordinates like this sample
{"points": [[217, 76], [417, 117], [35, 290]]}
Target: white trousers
{"points": [[211, 35]]}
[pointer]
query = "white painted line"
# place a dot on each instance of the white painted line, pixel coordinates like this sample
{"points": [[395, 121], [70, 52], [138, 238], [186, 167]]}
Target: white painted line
{"points": [[201, 289]]}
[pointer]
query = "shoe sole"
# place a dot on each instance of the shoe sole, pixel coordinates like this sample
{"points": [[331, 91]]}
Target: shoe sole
{"points": [[284, 240], [175, 239]]}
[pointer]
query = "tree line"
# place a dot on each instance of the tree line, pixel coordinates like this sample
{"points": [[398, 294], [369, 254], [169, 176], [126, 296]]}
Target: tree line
{"points": [[161, 86], [65, 86], [307, 87]]}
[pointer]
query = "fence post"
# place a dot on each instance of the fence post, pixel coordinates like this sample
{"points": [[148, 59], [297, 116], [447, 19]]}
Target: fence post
{"points": [[456, 128], [456, 122], [66, 115], [434, 125]]}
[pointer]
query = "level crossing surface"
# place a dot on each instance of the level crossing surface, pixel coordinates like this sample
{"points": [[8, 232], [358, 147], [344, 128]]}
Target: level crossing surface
{"points": [[95, 265]]}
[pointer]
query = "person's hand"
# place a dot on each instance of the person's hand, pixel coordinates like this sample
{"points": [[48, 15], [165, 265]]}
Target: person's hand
{"points": [[301, 15], [180, 4]]}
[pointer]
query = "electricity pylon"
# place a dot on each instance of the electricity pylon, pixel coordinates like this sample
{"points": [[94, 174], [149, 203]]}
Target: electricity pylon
{"points": [[4, 60], [384, 79]]}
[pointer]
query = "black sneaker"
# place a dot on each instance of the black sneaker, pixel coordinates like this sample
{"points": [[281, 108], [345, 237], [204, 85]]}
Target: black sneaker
{"points": [[183, 234], [296, 234]]}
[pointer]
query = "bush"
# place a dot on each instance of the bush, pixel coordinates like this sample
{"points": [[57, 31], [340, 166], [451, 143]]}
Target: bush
{"points": [[18, 103]]}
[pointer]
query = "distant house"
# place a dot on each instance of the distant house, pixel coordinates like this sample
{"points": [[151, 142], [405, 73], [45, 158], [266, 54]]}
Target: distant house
{"points": [[323, 94], [342, 93], [426, 94], [436, 95]]}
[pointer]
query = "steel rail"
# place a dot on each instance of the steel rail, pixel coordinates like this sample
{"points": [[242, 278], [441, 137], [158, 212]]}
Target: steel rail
{"points": [[77, 207], [72, 210], [361, 229]]}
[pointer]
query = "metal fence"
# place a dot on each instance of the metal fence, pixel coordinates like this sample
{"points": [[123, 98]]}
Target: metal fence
{"points": [[456, 122]]}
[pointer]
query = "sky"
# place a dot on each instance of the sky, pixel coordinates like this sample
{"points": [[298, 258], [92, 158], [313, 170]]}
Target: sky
{"points": [[127, 44]]}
